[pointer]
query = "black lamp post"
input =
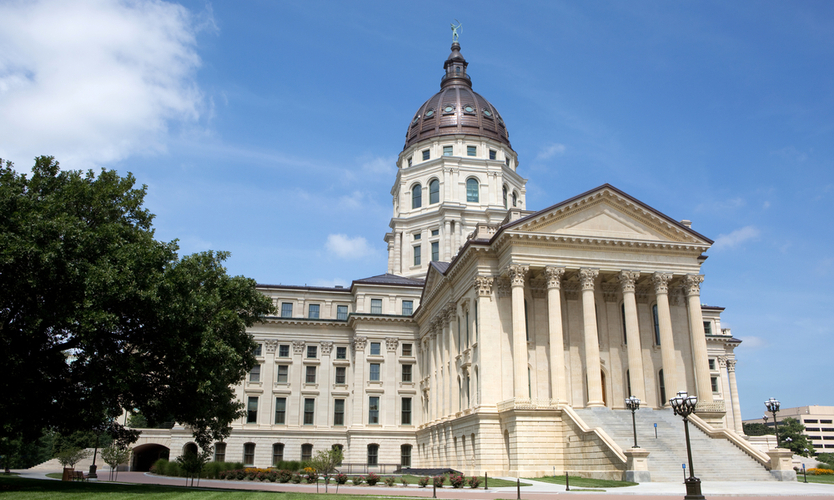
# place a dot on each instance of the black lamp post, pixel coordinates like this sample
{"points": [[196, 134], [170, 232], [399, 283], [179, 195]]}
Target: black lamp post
{"points": [[633, 404], [684, 405], [772, 406]]}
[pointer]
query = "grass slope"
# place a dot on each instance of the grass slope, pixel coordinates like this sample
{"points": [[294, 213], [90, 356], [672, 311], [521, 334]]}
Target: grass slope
{"points": [[582, 482]]}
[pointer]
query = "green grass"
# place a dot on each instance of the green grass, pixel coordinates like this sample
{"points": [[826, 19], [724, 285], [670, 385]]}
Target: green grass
{"points": [[815, 479], [582, 482]]}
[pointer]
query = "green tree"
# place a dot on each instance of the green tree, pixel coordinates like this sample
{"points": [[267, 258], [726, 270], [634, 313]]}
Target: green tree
{"points": [[756, 429], [114, 455], [791, 436], [325, 463], [72, 456], [193, 463], [96, 315], [826, 458]]}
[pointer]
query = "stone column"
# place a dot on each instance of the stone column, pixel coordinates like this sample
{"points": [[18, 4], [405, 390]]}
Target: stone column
{"points": [[489, 335], [442, 344], [520, 387], [358, 400], [635, 351], [433, 369], [390, 257], [692, 285], [325, 382], [398, 252], [731, 369], [388, 414], [451, 383], [589, 313], [558, 387], [447, 240], [667, 340]]}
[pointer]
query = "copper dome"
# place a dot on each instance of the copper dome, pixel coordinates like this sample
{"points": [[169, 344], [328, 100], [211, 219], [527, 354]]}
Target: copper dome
{"points": [[456, 109]]}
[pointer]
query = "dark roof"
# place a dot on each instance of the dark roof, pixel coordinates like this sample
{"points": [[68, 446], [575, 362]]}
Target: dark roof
{"points": [[390, 279], [715, 308], [441, 266], [305, 287]]}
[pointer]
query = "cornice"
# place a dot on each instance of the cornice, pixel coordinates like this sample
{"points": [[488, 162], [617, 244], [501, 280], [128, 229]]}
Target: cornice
{"points": [[277, 320], [621, 244]]}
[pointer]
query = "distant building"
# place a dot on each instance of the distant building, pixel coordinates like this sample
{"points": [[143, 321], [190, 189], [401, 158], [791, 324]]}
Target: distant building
{"points": [[818, 422]]}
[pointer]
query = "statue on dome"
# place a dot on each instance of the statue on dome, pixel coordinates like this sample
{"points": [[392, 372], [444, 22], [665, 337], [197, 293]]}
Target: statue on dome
{"points": [[456, 30]]}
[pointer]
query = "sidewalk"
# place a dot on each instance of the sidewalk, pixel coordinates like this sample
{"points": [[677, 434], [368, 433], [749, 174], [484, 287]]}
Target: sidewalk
{"points": [[537, 491]]}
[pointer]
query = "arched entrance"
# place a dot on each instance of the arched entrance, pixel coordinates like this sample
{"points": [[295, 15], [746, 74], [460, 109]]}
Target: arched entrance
{"points": [[145, 455]]}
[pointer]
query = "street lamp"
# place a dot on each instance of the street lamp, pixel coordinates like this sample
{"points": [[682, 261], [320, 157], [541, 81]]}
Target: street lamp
{"points": [[633, 404], [772, 406], [684, 405]]}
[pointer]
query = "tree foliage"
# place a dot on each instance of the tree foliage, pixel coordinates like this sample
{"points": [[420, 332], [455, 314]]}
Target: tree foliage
{"points": [[71, 456], [325, 463], [97, 316], [798, 442], [756, 429], [114, 455]]}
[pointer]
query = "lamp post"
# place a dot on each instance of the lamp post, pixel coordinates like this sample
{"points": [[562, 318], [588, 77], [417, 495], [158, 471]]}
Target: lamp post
{"points": [[772, 406], [684, 405], [633, 404]]}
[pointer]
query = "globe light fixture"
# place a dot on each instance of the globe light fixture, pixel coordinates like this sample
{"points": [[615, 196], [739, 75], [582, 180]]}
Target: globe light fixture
{"points": [[684, 405], [633, 404], [772, 406]]}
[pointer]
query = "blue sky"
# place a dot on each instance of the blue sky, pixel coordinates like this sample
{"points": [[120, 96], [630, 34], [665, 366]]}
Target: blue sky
{"points": [[271, 129]]}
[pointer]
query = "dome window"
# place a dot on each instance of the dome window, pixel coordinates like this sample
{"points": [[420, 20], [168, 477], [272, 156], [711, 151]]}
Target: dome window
{"points": [[448, 109], [505, 196], [434, 191], [472, 190], [416, 196], [487, 113], [469, 110], [429, 113], [515, 199], [415, 120]]}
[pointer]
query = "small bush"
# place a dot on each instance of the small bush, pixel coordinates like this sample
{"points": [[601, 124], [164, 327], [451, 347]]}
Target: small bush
{"points": [[423, 481], [284, 476], [296, 478], [474, 481], [340, 478], [290, 465], [158, 467], [404, 481], [439, 481], [358, 480], [820, 472], [390, 481], [372, 479], [311, 476], [457, 481]]}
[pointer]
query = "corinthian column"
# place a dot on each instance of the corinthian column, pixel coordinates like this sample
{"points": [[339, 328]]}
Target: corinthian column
{"points": [[452, 385], [667, 340], [398, 252], [589, 313], [731, 369], [692, 284], [635, 353], [517, 274], [559, 392]]}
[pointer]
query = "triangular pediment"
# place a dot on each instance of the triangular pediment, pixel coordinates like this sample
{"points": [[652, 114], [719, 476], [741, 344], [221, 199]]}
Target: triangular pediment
{"points": [[607, 213]]}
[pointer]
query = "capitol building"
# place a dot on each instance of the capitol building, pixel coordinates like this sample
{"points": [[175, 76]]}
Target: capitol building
{"points": [[500, 339]]}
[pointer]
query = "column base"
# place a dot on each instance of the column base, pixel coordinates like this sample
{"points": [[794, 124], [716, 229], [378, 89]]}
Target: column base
{"points": [[693, 489], [595, 404]]}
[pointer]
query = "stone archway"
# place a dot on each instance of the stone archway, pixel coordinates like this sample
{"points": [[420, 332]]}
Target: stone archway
{"points": [[145, 455]]}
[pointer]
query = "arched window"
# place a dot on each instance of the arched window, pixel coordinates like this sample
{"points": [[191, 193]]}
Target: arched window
{"points": [[249, 454], [277, 454], [189, 448], [373, 454], [416, 196], [656, 325], [472, 190], [515, 198], [505, 196], [434, 191], [662, 385], [306, 452], [405, 455]]}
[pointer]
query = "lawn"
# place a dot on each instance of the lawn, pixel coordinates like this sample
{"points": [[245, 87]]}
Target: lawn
{"points": [[582, 482], [828, 479]]}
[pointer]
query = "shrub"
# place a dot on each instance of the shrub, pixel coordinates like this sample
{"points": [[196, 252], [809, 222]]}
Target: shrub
{"points": [[474, 481], [340, 478], [290, 465], [284, 476], [404, 481], [439, 480], [296, 478], [158, 467], [390, 481], [358, 480], [311, 476], [423, 481], [820, 472], [457, 481], [372, 479], [240, 474]]}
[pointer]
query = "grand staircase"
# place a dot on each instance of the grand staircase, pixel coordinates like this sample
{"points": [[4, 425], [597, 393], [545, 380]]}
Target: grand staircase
{"points": [[714, 459]]}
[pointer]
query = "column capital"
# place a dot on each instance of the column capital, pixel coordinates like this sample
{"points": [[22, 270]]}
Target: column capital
{"points": [[326, 347], [298, 346], [692, 284], [517, 273], [628, 279], [359, 343], [722, 361], [391, 343], [554, 275], [587, 277], [731, 364], [483, 285], [451, 312], [270, 346], [661, 282]]}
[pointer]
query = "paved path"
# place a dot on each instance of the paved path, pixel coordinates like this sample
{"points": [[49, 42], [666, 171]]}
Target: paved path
{"points": [[537, 491]]}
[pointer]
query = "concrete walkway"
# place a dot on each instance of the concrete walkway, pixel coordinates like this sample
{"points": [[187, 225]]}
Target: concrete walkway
{"points": [[537, 491]]}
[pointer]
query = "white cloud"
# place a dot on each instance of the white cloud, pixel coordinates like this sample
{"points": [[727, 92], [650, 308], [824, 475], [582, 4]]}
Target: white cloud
{"points": [[736, 237], [753, 342], [95, 81], [344, 247], [379, 164], [551, 151]]}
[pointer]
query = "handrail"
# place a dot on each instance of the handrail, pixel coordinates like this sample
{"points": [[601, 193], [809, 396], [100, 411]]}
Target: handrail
{"points": [[712, 432], [603, 436]]}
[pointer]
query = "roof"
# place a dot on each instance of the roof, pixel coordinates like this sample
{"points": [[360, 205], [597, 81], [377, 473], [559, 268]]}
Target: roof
{"points": [[389, 279], [305, 287], [441, 266]]}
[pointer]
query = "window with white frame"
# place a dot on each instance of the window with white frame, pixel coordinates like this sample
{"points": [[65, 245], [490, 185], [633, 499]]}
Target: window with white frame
{"points": [[376, 306]]}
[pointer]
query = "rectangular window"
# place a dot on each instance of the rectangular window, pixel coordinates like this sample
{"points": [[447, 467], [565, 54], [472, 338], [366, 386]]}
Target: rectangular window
{"points": [[408, 307], [312, 351], [255, 374], [435, 251], [284, 351], [306, 452], [376, 306], [309, 410], [426, 154], [418, 236], [418, 251], [825, 421], [373, 410], [410, 158], [507, 161], [313, 311], [258, 350], [491, 154], [277, 453], [406, 373], [815, 421], [341, 353], [311, 375], [283, 374], [708, 327], [447, 150], [376, 348], [471, 150], [252, 410], [374, 375], [220, 452], [286, 309], [341, 312], [340, 374], [280, 411], [406, 412], [714, 383], [249, 454], [339, 412], [435, 232], [712, 364], [405, 455], [407, 350]]}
